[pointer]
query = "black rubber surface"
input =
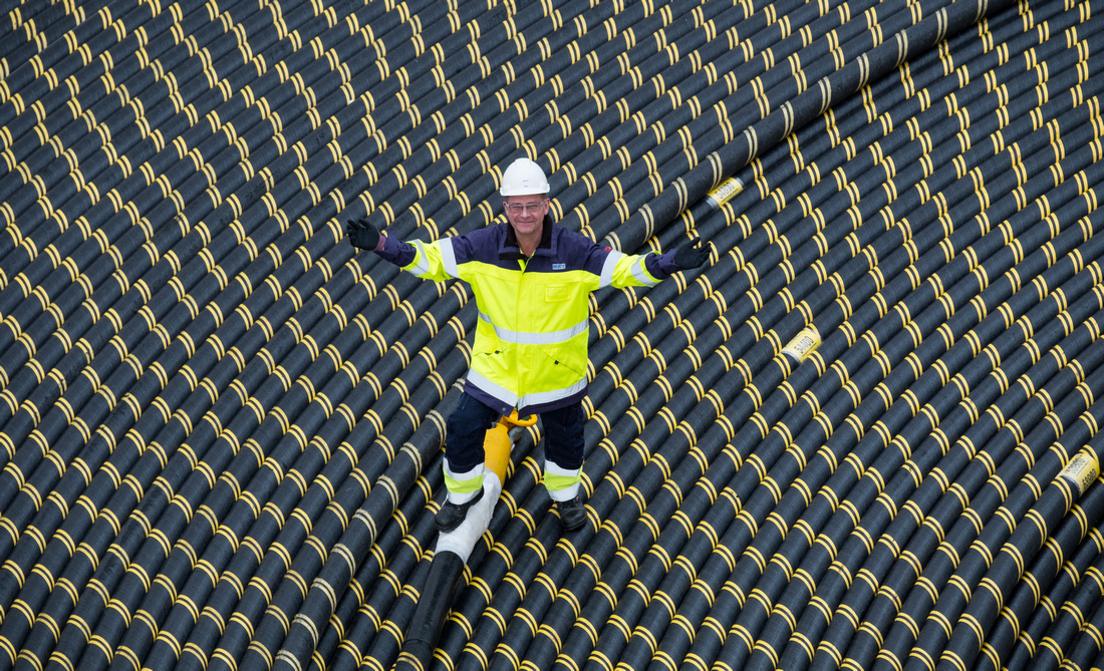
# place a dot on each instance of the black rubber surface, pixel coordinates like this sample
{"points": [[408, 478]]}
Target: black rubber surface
{"points": [[865, 436]]}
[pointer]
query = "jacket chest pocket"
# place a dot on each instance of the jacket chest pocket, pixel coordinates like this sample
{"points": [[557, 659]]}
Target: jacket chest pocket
{"points": [[558, 293]]}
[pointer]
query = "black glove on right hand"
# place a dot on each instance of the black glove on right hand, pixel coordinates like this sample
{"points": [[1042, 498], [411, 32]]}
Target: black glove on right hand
{"points": [[688, 256], [361, 234]]}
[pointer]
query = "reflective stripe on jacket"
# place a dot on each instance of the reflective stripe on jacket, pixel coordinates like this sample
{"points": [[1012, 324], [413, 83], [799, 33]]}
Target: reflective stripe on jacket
{"points": [[530, 349]]}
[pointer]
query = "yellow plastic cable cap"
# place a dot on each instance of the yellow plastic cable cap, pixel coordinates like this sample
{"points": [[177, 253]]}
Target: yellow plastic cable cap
{"points": [[724, 191], [803, 344], [1082, 470]]}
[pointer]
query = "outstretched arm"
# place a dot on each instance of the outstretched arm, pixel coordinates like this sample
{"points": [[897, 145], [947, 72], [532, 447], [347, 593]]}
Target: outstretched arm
{"points": [[431, 261], [624, 270]]}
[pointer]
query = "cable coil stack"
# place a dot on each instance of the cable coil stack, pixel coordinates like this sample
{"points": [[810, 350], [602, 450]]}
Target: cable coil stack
{"points": [[865, 436]]}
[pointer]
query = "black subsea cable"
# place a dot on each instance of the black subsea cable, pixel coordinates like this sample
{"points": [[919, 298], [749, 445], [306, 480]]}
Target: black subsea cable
{"points": [[841, 123], [123, 119], [432, 152], [921, 546], [764, 286], [26, 29], [674, 158], [579, 154], [1084, 652], [396, 430], [981, 505], [124, 70], [989, 272], [809, 627], [247, 87], [810, 484], [899, 574], [1089, 594], [665, 545], [251, 145], [873, 531], [33, 78], [388, 598], [914, 550], [766, 551], [105, 300], [714, 168], [216, 502], [152, 458], [1011, 550], [379, 580], [120, 355], [1047, 580], [240, 522]]}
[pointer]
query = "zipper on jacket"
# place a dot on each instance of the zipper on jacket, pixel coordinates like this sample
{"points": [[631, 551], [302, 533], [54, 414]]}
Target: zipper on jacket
{"points": [[517, 321]]}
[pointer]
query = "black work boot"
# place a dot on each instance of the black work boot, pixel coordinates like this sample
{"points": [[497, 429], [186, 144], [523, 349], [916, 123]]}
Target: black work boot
{"points": [[572, 513], [451, 515]]}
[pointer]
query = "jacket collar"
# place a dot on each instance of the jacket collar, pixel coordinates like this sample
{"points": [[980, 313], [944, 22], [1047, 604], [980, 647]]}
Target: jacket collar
{"points": [[510, 249]]}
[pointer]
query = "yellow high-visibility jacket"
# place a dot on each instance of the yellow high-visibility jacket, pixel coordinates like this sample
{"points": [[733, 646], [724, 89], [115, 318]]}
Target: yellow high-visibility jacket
{"points": [[530, 349]]}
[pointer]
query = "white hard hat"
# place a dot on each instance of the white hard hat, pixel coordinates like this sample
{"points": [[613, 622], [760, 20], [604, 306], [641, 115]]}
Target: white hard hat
{"points": [[523, 177]]}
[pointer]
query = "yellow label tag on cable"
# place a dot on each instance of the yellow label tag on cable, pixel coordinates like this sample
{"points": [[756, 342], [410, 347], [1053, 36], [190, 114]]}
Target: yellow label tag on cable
{"points": [[725, 191], [1082, 470], [803, 344]]}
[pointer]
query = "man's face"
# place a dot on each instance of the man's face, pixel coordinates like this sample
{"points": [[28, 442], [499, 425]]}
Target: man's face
{"points": [[526, 213]]}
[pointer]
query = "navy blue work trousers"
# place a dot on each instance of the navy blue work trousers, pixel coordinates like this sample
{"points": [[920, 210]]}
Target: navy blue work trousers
{"points": [[470, 419]]}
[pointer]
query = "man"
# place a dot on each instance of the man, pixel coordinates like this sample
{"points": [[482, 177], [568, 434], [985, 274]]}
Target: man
{"points": [[531, 279]]}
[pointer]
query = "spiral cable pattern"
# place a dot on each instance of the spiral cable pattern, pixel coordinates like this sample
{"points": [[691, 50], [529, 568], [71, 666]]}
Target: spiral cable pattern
{"points": [[865, 436]]}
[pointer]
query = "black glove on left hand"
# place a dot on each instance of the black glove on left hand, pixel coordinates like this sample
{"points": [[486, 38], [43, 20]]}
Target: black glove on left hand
{"points": [[361, 234], [688, 256]]}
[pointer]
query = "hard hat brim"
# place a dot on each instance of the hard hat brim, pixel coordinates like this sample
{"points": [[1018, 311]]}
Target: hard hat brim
{"points": [[523, 192]]}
